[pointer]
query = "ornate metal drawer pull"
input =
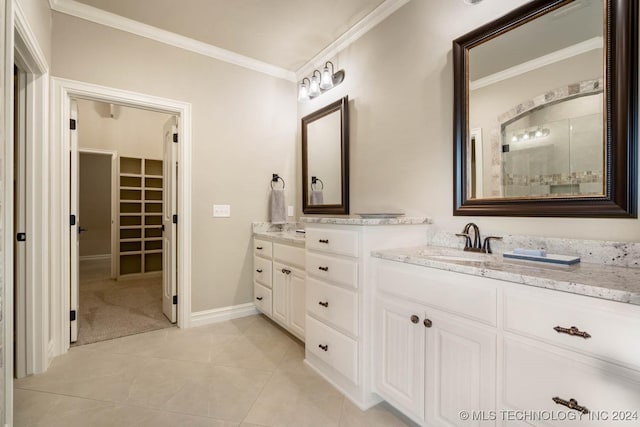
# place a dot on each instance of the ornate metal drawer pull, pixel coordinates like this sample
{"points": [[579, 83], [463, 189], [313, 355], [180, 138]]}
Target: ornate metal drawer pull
{"points": [[323, 268], [324, 304], [259, 298], [259, 248], [572, 331], [259, 270], [324, 347], [285, 271], [571, 404], [324, 241]]}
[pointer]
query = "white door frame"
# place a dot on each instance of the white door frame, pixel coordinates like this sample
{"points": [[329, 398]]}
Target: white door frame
{"points": [[21, 45], [62, 91], [114, 201]]}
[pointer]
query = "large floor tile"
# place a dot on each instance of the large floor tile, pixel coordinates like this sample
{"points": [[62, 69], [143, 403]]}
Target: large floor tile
{"points": [[381, 415]]}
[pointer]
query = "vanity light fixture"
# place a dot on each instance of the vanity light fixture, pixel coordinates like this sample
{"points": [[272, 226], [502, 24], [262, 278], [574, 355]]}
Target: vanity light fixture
{"points": [[320, 82], [303, 92]]}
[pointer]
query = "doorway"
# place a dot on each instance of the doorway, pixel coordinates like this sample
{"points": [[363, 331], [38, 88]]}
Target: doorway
{"points": [[121, 192]]}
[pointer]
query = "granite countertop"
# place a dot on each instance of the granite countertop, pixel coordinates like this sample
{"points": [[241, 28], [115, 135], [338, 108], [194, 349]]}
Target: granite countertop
{"points": [[357, 220], [285, 236], [590, 279]]}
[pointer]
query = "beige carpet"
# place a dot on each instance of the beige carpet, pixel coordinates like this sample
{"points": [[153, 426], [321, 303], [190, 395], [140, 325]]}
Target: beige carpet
{"points": [[111, 309]]}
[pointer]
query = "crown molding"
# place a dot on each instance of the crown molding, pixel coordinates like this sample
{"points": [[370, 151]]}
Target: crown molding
{"points": [[542, 61], [379, 14], [98, 16]]}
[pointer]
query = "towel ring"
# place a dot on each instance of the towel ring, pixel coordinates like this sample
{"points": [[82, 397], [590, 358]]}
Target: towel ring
{"points": [[275, 178], [315, 180]]}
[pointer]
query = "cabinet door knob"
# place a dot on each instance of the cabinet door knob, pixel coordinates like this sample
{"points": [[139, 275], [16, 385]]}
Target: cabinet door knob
{"points": [[259, 248], [572, 331], [571, 404], [259, 270], [415, 319], [259, 298], [325, 241], [427, 323], [324, 347], [324, 304], [323, 268]]}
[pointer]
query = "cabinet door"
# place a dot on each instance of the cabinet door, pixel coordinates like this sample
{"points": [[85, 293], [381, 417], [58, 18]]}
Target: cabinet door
{"points": [[280, 300], [460, 370], [400, 355], [297, 303]]}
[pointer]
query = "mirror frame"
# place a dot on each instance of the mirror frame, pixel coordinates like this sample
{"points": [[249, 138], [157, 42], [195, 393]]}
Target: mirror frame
{"points": [[621, 105], [341, 105]]}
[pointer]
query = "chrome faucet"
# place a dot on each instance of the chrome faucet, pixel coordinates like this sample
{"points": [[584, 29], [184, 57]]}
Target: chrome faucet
{"points": [[476, 246]]}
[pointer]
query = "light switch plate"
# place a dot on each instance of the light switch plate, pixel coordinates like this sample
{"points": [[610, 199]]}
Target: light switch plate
{"points": [[221, 211], [290, 211]]}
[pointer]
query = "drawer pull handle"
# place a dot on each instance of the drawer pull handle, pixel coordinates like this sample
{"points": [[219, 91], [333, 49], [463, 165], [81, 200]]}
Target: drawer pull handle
{"points": [[324, 304], [427, 323], [259, 248], [324, 347], [259, 298], [326, 241], [415, 319], [285, 271], [323, 268], [259, 270], [572, 331], [571, 404]]}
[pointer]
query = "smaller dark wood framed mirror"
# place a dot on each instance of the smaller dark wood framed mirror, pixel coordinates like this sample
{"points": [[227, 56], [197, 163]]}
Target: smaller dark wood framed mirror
{"points": [[546, 114], [325, 160]]}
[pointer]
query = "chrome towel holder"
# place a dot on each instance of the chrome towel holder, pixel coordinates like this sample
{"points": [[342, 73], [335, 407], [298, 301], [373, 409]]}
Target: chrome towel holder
{"points": [[315, 180], [275, 178]]}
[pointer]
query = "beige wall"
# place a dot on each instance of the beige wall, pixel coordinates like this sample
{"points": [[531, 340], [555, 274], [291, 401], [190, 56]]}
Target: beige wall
{"points": [[243, 131], [399, 78], [132, 132], [95, 204], [38, 15]]}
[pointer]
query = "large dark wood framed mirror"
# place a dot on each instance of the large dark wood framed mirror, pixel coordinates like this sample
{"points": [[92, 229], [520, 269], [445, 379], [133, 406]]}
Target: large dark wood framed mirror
{"points": [[325, 160], [545, 112]]}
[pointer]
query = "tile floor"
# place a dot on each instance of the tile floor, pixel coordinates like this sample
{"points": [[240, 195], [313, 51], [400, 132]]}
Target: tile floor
{"points": [[245, 372]]}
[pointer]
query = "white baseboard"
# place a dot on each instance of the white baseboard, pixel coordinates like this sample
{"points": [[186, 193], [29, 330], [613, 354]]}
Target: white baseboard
{"points": [[207, 317], [94, 257]]}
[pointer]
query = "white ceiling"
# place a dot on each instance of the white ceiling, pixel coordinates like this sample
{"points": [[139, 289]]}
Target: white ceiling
{"points": [[285, 33]]}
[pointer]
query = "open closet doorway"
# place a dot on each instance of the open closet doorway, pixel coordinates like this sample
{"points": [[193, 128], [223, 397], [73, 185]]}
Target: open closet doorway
{"points": [[119, 183]]}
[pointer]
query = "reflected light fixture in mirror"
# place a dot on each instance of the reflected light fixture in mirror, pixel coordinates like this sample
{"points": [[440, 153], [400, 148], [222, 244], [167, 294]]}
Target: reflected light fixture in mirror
{"points": [[320, 82]]}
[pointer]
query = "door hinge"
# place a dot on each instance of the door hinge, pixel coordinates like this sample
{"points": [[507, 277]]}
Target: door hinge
{"points": [[72, 124], [22, 237], [175, 299], [162, 227], [175, 137], [175, 219], [73, 315], [72, 220]]}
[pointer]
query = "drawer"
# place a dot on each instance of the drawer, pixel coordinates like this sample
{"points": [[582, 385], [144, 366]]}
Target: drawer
{"points": [[614, 328], [341, 242], [262, 271], [335, 349], [533, 376], [331, 269], [263, 248], [465, 295], [290, 255], [262, 298], [337, 306]]}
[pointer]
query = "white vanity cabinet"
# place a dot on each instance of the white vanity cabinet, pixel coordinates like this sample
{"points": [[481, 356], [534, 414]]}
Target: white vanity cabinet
{"points": [[279, 283], [448, 342], [430, 363], [339, 300]]}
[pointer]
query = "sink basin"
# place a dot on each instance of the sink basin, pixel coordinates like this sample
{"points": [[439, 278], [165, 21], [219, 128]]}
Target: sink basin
{"points": [[458, 258]]}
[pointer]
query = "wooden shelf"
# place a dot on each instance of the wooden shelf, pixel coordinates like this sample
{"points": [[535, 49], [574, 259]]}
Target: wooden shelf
{"points": [[140, 195]]}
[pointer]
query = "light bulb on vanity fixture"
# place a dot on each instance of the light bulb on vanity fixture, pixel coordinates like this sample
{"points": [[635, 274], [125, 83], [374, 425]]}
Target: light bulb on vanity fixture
{"points": [[320, 82]]}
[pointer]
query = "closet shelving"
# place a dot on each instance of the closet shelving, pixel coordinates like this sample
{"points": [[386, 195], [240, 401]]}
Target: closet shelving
{"points": [[140, 243]]}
